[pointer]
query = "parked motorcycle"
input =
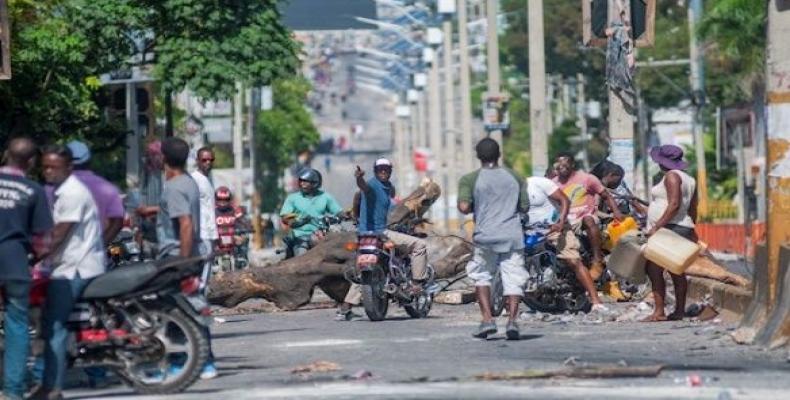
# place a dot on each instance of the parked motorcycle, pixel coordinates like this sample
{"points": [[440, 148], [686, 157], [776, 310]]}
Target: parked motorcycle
{"points": [[384, 274], [140, 320], [123, 250], [551, 287]]}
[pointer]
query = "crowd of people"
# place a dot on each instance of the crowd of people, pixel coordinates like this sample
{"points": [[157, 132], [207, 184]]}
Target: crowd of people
{"points": [[62, 230], [569, 200]]}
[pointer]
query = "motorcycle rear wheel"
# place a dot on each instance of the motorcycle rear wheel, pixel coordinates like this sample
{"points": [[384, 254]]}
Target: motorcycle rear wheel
{"points": [[180, 336], [374, 299], [420, 306]]}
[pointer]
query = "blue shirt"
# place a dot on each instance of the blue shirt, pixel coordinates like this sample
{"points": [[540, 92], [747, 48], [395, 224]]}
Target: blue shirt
{"points": [[374, 206]]}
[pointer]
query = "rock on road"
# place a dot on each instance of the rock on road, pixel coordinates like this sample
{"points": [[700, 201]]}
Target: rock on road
{"points": [[438, 358]]}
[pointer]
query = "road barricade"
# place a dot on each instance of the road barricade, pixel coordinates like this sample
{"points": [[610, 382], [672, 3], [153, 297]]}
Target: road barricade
{"points": [[757, 312], [776, 331], [765, 322]]}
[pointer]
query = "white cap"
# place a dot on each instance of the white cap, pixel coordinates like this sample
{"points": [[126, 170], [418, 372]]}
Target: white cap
{"points": [[382, 162]]}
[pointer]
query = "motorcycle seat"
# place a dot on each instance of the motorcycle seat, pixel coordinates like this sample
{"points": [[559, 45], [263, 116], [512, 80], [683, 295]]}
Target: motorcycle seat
{"points": [[121, 280]]}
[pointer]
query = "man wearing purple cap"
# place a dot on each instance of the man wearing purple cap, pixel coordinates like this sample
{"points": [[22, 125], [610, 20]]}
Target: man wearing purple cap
{"points": [[673, 206]]}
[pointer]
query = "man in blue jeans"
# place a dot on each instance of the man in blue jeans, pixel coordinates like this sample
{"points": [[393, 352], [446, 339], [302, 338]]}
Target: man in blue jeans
{"points": [[23, 213], [77, 256]]}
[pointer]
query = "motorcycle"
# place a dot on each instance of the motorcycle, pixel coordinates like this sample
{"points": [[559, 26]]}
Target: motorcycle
{"points": [[551, 287], [233, 245], [384, 274], [141, 320], [123, 250]]}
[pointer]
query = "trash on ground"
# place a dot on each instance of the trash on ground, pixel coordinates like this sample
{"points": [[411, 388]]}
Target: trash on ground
{"points": [[317, 366], [362, 374], [590, 372]]}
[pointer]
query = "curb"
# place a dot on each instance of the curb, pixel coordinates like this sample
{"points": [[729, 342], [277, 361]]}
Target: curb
{"points": [[722, 296]]}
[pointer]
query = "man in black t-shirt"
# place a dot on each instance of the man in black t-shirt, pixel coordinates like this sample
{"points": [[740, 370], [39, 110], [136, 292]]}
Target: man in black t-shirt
{"points": [[24, 212]]}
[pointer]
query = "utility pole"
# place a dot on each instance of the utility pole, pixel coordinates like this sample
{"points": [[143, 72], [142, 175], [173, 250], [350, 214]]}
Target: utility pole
{"points": [[435, 131], [698, 92], [421, 122], [778, 157], [621, 122], [537, 89], [238, 139], [467, 150], [450, 131], [435, 115], [581, 118], [492, 58]]}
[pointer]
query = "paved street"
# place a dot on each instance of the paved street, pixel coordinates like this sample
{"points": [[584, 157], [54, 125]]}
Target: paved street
{"points": [[437, 358]]}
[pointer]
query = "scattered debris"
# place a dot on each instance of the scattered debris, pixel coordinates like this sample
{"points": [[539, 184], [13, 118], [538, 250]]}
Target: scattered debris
{"points": [[596, 372], [317, 366], [694, 380], [455, 297], [702, 312], [362, 374], [570, 361]]}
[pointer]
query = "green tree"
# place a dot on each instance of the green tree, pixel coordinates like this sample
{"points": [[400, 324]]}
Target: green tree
{"points": [[281, 133], [207, 46]]}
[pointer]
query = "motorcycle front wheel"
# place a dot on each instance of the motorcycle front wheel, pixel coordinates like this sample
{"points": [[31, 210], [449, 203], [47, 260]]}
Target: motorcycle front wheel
{"points": [[374, 299], [181, 349]]}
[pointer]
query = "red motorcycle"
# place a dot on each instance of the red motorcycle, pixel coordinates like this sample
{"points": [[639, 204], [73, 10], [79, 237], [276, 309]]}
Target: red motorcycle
{"points": [[233, 230]]}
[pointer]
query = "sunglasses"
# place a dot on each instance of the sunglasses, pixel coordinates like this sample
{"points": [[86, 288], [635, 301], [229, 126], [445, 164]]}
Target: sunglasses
{"points": [[207, 159]]}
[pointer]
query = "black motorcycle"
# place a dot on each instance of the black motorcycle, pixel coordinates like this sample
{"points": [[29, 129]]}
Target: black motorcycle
{"points": [[142, 320], [123, 250], [551, 286], [384, 274]]}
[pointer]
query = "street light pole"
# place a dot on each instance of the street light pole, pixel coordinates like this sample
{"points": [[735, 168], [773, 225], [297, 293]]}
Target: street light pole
{"points": [[465, 88], [492, 55], [537, 90], [449, 132], [698, 90]]}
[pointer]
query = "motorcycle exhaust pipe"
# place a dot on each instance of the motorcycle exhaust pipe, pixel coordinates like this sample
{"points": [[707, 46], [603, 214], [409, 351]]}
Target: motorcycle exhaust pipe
{"points": [[390, 288]]}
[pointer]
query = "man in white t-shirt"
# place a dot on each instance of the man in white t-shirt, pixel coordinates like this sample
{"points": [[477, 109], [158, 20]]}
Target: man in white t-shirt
{"points": [[77, 257], [208, 221], [548, 204]]}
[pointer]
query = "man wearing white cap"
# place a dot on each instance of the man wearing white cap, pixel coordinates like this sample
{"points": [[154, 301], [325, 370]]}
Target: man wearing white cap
{"points": [[376, 200]]}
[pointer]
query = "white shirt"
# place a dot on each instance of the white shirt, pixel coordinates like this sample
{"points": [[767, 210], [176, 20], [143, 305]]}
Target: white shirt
{"points": [[82, 252], [541, 209], [208, 221]]}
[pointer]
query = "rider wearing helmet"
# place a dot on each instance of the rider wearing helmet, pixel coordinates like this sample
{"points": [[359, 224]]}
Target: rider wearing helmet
{"points": [[303, 210]]}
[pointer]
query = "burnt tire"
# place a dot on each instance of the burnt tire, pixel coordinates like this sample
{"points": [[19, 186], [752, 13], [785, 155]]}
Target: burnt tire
{"points": [[195, 344]]}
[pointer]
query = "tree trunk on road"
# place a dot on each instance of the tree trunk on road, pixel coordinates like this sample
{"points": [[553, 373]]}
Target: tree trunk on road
{"points": [[290, 283]]}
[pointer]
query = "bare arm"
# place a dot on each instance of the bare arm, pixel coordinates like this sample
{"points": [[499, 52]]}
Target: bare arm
{"points": [[465, 207], [185, 235], [559, 198], [609, 199], [147, 211], [693, 207], [361, 184], [672, 183], [113, 226], [60, 233]]}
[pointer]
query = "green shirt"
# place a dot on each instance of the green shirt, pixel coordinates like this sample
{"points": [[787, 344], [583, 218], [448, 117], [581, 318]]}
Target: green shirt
{"points": [[312, 207]]}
